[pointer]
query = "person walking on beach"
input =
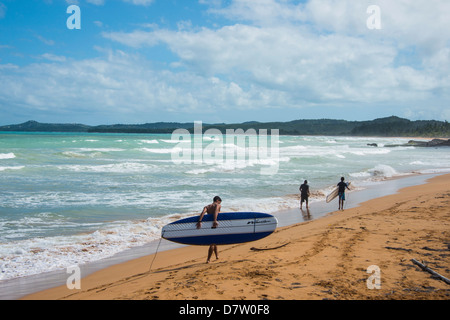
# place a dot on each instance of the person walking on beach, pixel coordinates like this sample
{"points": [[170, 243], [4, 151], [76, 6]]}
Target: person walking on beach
{"points": [[342, 186], [304, 194], [214, 209]]}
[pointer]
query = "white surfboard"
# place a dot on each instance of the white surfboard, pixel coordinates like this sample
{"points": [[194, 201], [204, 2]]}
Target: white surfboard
{"points": [[234, 227], [334, 193]]}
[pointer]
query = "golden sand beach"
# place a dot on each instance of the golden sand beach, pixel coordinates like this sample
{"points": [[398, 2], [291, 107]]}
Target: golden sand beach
{"points": [[327, 258]]}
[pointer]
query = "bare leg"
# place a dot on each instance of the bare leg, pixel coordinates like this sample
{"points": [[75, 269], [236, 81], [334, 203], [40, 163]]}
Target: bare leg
{"points": [[341, 204], [210, 251], [216, 252], [212, 248]]}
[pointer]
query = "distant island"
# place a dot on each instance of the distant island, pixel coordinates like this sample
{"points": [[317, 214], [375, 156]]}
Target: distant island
{"points": [[382, 127]]}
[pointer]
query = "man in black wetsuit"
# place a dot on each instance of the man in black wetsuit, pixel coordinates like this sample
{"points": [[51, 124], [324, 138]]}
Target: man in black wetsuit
{"points": [[304, 194]]}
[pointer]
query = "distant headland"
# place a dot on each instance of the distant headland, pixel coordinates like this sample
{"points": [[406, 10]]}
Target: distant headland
{"points": [[382, 127]]}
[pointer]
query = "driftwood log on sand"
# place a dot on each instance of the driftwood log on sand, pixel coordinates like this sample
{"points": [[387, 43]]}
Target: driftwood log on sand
{"points": [[434, 273]]}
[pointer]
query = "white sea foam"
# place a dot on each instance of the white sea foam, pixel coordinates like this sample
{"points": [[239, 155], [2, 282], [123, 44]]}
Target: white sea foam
{"points": [[268, 205], [149, 141], [117, 199], [209, 138], [72, 154], [363, 174], [365, 152], [332, 150], [125, 167], [383, 171], [201, 171], [176, 141], [231, 165], [435, 170], [7, 156], [100, 149], [379, 172], [37, 224], [162, 150], [420, 163], [38, 255], [12, 168]]}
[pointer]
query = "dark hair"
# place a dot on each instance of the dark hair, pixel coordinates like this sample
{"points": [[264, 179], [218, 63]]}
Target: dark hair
{"points": [[217, 198], [306, 181], [342, 179]]}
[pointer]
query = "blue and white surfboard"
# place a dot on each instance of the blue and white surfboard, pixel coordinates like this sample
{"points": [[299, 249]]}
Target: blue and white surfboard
{"points": [[234, 227]]}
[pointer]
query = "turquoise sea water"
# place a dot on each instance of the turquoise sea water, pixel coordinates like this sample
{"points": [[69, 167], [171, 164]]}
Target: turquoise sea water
{"points": [[67, 199]]}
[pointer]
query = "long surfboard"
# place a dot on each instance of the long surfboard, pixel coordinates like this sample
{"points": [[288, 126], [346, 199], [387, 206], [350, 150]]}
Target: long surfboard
{"points": [[334, 193], [234, 227]]}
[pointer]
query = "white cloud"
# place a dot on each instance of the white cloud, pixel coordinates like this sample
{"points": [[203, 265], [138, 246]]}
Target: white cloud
{"points": [[262, 12], [120, 83], [421, 23], [102, 2], [96, 2], [273, 54], [328, 68], [140, 2], [53, 57], [46, 41]]}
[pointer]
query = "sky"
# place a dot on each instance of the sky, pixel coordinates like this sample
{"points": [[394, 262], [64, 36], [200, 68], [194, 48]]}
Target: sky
{"points": [[223, 61]]}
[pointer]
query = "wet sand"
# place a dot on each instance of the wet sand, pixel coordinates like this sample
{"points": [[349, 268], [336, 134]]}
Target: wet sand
{"points": [[325, 258]]}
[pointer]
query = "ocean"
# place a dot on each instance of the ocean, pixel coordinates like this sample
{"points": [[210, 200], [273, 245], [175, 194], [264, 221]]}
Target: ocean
{"points": [[67, 199]]}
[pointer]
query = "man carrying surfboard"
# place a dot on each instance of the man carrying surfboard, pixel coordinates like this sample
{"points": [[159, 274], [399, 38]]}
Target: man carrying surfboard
{"points": [[342, 186], [213, 208]]}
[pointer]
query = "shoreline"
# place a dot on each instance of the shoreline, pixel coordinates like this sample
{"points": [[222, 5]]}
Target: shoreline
{"points": [[18, 287], [186, 259], [21, 286]]}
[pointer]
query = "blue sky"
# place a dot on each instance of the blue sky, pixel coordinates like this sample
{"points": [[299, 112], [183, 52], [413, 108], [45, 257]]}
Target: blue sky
{"points": [[137, 61]]}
